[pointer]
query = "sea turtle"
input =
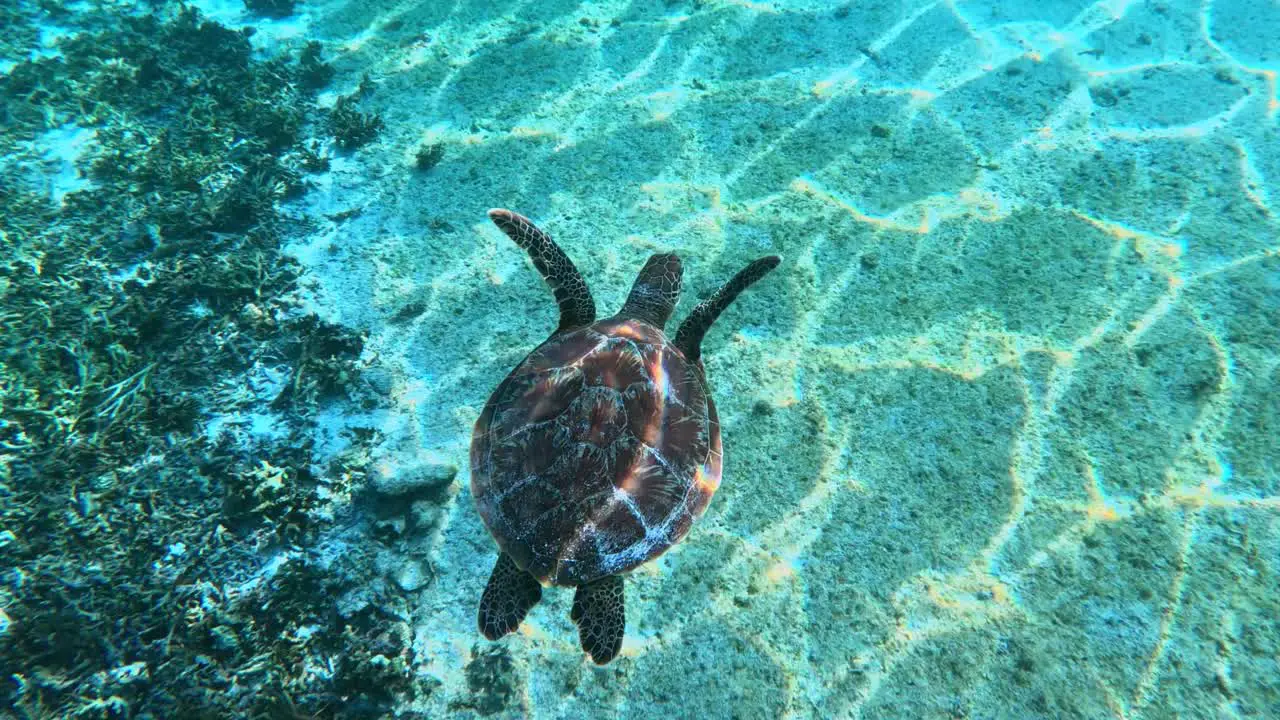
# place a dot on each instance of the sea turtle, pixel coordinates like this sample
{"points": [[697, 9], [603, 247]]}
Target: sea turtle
{"points": [[601, 447]]}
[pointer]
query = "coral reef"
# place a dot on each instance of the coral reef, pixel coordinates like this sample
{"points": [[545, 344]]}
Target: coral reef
{"points": [[150, 566], [428, 156], [352, 128], [314, 72]]}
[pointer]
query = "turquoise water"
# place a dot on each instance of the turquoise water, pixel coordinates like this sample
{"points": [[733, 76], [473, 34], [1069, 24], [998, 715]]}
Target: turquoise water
{"points": [[999, 431]]}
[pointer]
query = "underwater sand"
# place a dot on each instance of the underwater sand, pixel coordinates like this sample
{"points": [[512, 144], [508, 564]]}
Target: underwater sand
{"points": [[999, 433]]}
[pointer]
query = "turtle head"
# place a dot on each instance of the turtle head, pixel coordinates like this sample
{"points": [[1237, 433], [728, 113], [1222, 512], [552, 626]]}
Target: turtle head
{"points": [[656, 291]]}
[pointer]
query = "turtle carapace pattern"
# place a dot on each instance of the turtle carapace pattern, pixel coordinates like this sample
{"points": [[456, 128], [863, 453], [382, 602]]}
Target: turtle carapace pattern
{"points": [[601, 448]]}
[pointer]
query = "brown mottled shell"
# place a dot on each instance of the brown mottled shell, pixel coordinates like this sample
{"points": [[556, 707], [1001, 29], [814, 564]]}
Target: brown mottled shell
{"points": [[596, 453]]}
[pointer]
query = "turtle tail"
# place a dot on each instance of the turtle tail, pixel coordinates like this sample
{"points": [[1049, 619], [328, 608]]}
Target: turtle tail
{"points": [[689, 337]]}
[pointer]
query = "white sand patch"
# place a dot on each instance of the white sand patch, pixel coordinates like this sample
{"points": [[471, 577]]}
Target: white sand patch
{"points": [[61, 148], [48, 39]]}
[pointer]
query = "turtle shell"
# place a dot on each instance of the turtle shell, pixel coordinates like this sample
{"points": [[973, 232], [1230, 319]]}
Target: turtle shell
{"points": [[596, 453]]}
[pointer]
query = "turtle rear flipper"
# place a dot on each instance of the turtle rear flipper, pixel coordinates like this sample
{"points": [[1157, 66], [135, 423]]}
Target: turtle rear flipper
{"points": [[600, 613], [507, 598], [656, 291], [571, 291], [689, 336]]}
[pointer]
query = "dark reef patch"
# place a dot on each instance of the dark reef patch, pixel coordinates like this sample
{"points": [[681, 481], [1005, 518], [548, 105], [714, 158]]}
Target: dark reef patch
{"points": [[148, 568]]}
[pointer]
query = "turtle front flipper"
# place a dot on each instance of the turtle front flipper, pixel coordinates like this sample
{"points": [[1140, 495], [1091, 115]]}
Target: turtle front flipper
{"points": [[689, 336], [571, 291], [507, 598], [600, 614], [656, 291]]}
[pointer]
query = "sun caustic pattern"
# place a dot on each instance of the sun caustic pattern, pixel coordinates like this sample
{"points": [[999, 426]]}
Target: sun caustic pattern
{"points": [[999, 432]]}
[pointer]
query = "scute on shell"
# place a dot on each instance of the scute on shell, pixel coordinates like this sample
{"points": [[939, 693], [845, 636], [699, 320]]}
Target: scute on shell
{"points": [[596, 454]]}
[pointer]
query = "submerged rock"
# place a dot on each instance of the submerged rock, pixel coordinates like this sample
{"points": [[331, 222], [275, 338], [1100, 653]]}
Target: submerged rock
{"points": [[412, 576], [425, 477]]}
